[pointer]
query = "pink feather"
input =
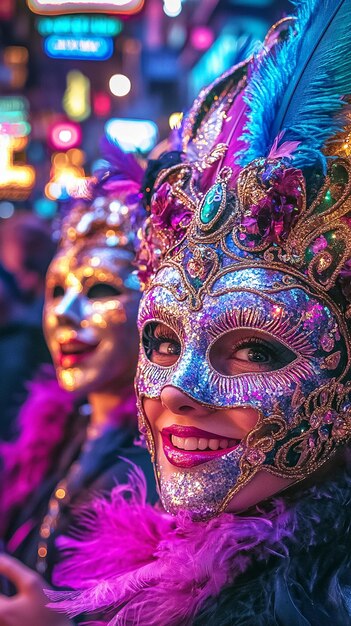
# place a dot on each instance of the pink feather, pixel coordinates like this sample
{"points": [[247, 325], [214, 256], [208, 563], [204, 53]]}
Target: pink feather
{"points": [[42, 422], [231, 134]]}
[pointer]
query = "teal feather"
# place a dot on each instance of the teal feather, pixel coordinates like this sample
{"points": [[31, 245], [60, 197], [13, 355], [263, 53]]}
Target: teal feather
{"points": [[298, 89]]}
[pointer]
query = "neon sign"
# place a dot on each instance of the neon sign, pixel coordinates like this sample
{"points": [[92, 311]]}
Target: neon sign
{"points": [[16, 181], [15, 129], [13, 117], [57, 7], [9, 105], [83, 48], [98, 25]]}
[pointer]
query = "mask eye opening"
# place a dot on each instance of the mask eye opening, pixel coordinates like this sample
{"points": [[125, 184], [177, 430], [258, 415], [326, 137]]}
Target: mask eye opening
{"points": [[58, 292], [248, 351], [98, 291], [161, 344]]}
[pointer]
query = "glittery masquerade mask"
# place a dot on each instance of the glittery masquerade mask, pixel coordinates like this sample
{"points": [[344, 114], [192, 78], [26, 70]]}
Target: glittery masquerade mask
{"points": [[93, 292], [249, 237]]}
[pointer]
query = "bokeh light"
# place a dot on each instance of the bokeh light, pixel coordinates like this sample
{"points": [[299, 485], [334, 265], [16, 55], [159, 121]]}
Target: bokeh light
{"points": [[175, 120], [172, 8], [201, 37], [120, 85], [65, 135], [45, 208], [7, 209], [101, 104], [132, 135], [76, 100]]}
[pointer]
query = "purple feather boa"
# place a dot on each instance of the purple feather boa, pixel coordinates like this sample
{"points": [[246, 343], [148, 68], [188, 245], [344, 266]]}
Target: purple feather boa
{"points": [[26, 460], [42, 426], [134, 565]]}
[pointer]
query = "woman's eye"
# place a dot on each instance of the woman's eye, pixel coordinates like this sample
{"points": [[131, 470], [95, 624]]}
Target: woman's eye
{"points": [[255, 354], [58, 292], [234, 353], [168, 347], [103, 290], [161, 344]]}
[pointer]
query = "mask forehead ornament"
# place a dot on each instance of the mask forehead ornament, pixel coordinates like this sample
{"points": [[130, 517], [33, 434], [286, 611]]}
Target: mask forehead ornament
{"points": [[109, 215], [239, 240]]}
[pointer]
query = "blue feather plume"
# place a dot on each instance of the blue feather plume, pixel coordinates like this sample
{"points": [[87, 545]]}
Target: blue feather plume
{"points": [[298, 88]]}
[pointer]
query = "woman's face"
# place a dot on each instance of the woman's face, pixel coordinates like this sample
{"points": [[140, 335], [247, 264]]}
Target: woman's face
{"points": [[90, 315], [216, 383]]}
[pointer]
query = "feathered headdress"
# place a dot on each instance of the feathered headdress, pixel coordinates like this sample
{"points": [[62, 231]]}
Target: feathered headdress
{"points": [[111, 211], [265, 155]]}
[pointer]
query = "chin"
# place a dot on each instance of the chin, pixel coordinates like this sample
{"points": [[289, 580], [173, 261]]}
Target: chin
{"points": [[200, 490], [76, 380]]}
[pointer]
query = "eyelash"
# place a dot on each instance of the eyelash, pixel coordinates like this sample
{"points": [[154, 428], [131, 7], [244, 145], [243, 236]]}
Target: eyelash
{"points": [[249, 341], [149, 311], [164, 335], [152, 342], [156, 342], [280, 328]]}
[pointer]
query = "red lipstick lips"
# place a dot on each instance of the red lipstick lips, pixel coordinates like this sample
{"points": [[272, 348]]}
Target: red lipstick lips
{"points": [[74, 351], [190, 458]]}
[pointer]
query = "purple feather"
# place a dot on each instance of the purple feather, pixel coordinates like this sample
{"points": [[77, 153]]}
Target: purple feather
{"points": [[286, 149], [123, 165]]}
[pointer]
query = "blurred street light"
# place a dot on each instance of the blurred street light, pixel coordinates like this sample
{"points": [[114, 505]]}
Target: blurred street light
{"points": [[120, 85]]}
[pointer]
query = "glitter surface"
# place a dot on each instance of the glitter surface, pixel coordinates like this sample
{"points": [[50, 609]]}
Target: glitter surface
{"points": [[201, 491], [260, 300]]}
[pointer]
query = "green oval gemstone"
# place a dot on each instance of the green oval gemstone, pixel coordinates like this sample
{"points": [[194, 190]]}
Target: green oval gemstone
{"points": [[211, 203]]}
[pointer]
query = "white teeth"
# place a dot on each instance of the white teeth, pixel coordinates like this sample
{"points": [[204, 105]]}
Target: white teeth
{"points": [[202, 444], [195, 443], [213, 444], [177, 441], [190, 443]]}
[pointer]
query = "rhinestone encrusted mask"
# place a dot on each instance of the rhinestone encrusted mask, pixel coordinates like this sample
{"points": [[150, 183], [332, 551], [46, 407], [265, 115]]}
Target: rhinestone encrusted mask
{"points": [[222, 274]]}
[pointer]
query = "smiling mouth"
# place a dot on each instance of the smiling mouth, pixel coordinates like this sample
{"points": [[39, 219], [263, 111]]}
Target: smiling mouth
{"points": [[73, 352], [187, 446]]}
